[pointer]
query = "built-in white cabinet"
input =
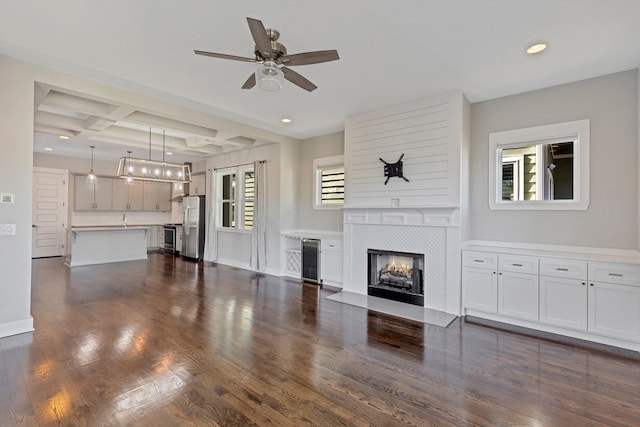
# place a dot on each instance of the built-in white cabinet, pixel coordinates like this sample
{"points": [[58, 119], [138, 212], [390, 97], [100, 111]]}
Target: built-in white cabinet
{"points": [[614, 300], [588, 299], [503, 284], [157, 196], [518, 286], [331, 254], [563, 293], [198, 185], [95, 196], [127, 197], [480, 273]]}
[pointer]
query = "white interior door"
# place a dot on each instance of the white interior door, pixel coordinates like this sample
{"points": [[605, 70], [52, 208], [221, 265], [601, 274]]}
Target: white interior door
{"points": [[50, 195]]}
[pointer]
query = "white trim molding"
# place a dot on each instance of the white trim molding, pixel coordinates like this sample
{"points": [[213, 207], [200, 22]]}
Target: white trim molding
{"points": [[577, 131], [17, 327]]}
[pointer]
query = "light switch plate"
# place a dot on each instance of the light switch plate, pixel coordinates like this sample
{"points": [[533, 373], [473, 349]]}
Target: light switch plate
{"points": [[7, 229]]}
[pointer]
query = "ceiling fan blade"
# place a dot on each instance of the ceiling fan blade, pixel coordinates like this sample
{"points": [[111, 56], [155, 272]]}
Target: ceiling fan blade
{"points": [[298, 80], [259, 34], [251, 82], [224, 56], [311, 57]]}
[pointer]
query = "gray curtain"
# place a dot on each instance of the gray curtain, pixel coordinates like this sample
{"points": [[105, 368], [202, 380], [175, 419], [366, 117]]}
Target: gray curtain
{"points": [[258, 233], [211, 238]]}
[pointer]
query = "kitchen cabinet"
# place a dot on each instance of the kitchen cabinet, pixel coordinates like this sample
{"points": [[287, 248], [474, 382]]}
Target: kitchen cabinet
{"points": [[156, 196], [127, 197], [331, 255], [614, 305], [96, 196], [198, 185]]}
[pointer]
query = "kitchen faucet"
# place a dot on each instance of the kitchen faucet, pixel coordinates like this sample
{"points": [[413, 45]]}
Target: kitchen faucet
{"points": [[124, 219]]}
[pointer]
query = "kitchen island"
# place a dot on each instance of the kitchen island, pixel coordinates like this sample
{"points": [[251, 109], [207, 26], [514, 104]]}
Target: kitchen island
{"points": [[102, 245]]}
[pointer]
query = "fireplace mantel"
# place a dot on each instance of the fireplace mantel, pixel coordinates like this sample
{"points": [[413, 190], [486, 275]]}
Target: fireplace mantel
{"points": [[411, 216]]}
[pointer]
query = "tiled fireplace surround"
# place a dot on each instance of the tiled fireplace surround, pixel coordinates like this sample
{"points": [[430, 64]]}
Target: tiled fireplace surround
{"points": [[434, 232]]}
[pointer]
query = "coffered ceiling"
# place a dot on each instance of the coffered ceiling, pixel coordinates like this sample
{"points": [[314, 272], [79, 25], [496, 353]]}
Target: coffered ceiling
{"points": [[390, 52], [67, 122]]}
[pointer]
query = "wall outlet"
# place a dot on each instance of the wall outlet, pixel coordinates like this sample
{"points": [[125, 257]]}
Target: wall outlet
{"points": [[7, 229]]}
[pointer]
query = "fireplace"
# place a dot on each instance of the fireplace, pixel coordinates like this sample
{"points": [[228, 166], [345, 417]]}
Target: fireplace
{"points": [[396, 275]]}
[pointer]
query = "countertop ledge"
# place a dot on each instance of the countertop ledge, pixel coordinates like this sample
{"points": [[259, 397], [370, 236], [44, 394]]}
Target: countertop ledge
{"points": [[109, 228]]}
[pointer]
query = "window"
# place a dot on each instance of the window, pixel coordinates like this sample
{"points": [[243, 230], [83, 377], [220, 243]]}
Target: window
{"points": [[236, 197], [328, 182], [540, 168]]}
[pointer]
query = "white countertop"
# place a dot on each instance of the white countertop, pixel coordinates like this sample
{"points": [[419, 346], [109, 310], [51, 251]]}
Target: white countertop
{"points": [[619, 256], [313, 234], [109, 228]]}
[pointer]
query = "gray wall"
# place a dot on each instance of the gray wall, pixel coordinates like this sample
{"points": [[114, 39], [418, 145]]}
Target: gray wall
{"points": [[611, 103], [310, 149]]}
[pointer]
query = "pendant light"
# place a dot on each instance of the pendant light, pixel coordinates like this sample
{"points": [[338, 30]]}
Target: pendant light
{"points": [[91, 177], [129, 179], [153, 170]]}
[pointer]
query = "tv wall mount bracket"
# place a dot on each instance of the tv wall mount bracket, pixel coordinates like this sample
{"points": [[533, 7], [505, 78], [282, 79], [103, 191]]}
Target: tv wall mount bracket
{"points": [[393, 169]]}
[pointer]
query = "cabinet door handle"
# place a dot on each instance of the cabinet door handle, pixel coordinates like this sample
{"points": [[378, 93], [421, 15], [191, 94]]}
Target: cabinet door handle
{"points": [[562, 269], [590, 284], [478, 260], [616, 274], [517, 265], [583, 283]]}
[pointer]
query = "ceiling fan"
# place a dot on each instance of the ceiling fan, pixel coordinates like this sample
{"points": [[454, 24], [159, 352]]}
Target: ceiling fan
{"points": [[275, 60]]}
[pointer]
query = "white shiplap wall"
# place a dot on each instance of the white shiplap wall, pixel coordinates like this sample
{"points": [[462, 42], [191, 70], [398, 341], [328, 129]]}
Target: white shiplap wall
{"points": [[428, 132]]}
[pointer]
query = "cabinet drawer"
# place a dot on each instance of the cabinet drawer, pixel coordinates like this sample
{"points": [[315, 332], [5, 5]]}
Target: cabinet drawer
{"points": [[480, 259], [518, 263], [559, 267], [624, 274], [331, 245]]}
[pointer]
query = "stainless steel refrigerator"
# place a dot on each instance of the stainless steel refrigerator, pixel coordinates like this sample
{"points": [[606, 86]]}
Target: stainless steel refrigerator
{"points": [[193, 218]]}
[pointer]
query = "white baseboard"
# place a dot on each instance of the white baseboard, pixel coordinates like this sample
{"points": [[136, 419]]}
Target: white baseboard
{"points": [[17, 327]]}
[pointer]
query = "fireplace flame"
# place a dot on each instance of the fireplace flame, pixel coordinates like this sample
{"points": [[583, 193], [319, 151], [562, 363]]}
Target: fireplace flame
{"points": [[403, 270]]}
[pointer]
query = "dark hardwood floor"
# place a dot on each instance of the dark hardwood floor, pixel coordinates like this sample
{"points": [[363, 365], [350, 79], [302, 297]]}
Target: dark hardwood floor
{"points": [[169, 342]]}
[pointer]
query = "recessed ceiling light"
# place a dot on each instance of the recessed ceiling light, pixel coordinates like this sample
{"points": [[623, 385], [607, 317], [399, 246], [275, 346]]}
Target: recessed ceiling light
{"points": [[63, 137], [48, 149], [536, 48], [286, 120], [169, 153]]}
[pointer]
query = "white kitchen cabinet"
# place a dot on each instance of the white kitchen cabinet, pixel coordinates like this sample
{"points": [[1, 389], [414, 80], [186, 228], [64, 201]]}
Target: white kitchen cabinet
{"points": [[127, 197], [563, 302], [156, 196], [96, 196], [331, 256], [198, 185]]}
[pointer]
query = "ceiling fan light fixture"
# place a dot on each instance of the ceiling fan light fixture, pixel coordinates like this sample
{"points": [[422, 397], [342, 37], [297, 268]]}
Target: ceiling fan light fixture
{"points": [[269, 77]]}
